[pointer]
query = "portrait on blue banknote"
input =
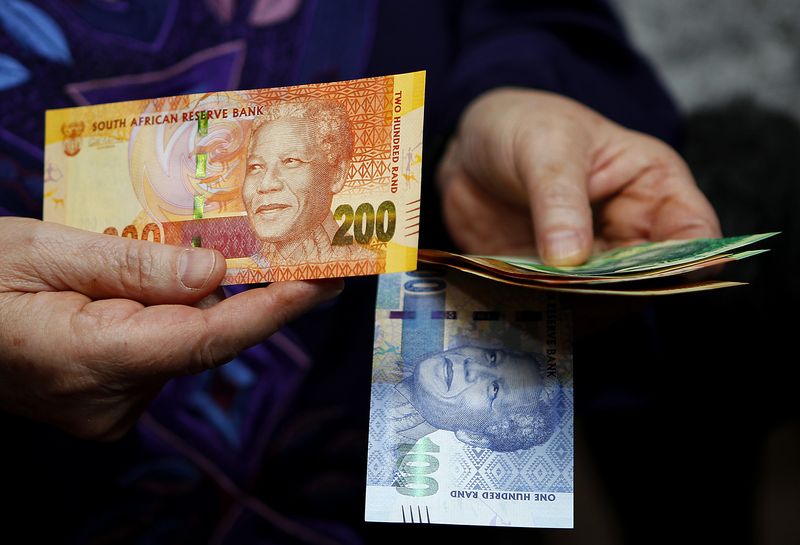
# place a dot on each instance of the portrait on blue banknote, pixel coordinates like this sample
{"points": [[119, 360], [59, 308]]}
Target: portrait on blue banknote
{"points": [[471, 404], [488, 397]]}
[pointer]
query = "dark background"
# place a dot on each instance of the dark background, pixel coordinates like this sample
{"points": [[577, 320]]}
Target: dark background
{"points": [[693, 433]]}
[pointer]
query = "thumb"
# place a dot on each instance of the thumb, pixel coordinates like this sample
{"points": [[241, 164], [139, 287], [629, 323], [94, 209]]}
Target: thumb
{"points": [[43, 256], [556, 177], [533, 149]]}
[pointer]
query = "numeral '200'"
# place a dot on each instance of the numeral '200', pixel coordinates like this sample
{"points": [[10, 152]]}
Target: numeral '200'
{"points": [[364, 223]]}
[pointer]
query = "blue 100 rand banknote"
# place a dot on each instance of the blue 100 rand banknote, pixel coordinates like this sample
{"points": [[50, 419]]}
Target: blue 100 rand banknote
{"points": [[471, 416]]}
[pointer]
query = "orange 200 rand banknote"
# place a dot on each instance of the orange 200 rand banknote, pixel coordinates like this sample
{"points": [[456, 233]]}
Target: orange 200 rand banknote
{"points": [[310, 181]]}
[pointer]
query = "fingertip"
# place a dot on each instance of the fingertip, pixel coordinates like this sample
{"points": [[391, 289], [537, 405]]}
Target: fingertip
{"points": [[564, 248], [304, 294], [327, 288], [335, 285]]}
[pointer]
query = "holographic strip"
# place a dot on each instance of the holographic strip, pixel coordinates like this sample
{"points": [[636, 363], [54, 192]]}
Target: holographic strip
{"points": [[197, 213], [199, 206], [201, 158], [202, 162], [202, 124]]}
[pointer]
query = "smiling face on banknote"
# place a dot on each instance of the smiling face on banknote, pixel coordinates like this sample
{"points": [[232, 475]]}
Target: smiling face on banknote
{"points": [[469, 387], [471, 405], [297, 160]]}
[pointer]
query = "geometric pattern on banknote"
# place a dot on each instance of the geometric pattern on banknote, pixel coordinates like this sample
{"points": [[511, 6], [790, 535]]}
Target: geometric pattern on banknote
{"points": [[233, 236], [306, 270], [388, 298], [381, 457], [526, 470], [369, 105], [564, 404], [379, 463], [546, 467], [467, 463], [560, 450]]}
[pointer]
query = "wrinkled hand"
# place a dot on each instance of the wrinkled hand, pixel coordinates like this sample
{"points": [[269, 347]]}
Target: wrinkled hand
{"points": [[531, 170], [92, 326]]}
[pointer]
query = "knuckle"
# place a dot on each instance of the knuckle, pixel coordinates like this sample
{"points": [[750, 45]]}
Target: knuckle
{"points": [[109, 260], [283, 306], [660, 148], [209, 353], [42, 255], [560, 195], [30, 234], [138, 267], [658, 180], [204, 357], [663, 158]]}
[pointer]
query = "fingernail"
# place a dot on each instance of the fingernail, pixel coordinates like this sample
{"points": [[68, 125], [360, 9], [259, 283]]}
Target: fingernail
{"points": [[194, 268], [336, 286], [562, 247], [331, 287]]}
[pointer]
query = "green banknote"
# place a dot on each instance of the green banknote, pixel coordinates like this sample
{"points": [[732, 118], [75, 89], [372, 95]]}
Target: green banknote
{"points": [[650, 256]]}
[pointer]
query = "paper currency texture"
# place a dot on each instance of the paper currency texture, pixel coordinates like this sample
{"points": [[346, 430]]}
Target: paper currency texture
{"points": [[471, 417], [311, 181], [649, 269], [642, 258]]}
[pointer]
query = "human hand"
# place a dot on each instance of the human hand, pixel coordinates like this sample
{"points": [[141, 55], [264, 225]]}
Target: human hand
{"points": [[532, 170], [92, 326]]}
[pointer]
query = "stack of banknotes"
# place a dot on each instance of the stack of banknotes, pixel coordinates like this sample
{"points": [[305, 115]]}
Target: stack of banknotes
{"points": [[472, 394], [653, 268]]}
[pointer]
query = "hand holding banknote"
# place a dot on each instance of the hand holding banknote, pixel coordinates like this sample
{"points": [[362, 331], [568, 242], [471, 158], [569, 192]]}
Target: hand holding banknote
{"points": [[529, 170], [91, 326], [287, 183]]}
